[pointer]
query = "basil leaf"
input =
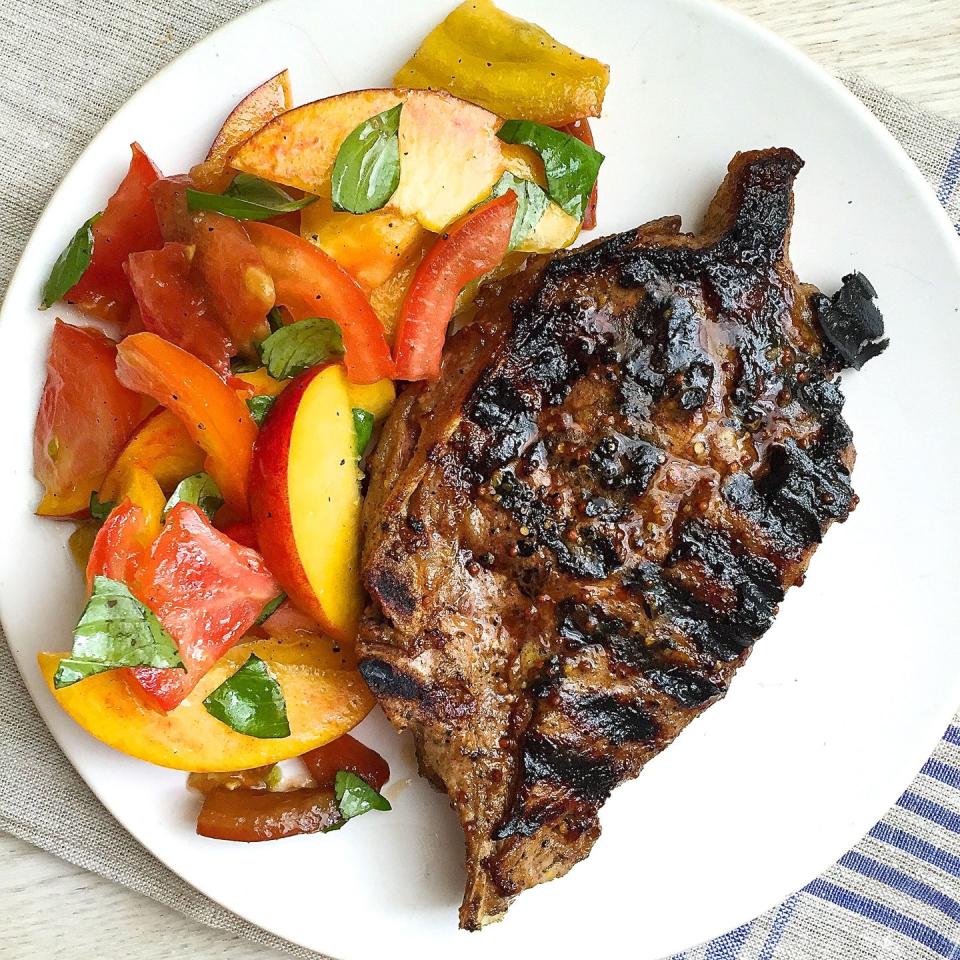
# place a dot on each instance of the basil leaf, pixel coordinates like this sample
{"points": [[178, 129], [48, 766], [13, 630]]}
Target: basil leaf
{"points": [[363, 425], [259, 407], [116, 630], [570, 165], [532, 203], [355, 796], [247, 198], [71, 670], [366, 172], [242, 365], [200, 489], [275, 319], [251, 702], [300, 346], [71, 264], [100, 509], [270, 608]]}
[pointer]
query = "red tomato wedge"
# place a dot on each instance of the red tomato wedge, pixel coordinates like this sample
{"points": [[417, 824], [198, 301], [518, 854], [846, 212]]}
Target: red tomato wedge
{"points": [[215, 417], [85, 418], [581, 130], [206, 590], [311, 284], [121, 545], [122, 542], [169, 198], [473, 246], [231, 273], [251, 815], [128, 224], [175, 308], [346, 753]]}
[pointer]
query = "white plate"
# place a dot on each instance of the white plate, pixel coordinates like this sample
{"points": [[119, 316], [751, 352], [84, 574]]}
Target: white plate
{"points": [[844, 697]]}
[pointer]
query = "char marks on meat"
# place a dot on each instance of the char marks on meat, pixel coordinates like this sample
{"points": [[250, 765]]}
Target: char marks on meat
{"points": [[573, 538]]}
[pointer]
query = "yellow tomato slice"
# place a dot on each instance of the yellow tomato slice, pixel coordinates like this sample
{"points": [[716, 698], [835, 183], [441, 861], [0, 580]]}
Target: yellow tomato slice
{"points": [[323, 702]]}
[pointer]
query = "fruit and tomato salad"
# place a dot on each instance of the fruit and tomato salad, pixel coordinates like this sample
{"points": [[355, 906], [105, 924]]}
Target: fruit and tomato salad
{"points": [[235, 340]]}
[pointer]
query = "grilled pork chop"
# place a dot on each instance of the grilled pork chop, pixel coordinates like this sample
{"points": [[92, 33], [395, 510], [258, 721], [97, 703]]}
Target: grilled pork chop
{"points": [[573, 538]]}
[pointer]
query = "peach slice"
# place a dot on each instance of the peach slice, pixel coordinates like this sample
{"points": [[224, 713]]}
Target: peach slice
{"points": [[450, 154], [255, 110], [305, 498], [323, 699], [376, 398]]}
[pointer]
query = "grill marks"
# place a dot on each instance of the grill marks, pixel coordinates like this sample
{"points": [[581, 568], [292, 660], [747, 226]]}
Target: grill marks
{"points": [[645, 447]]}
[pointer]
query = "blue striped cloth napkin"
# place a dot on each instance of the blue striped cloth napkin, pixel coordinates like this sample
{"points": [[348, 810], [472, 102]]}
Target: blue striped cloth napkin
{"points": [[896, 895]]}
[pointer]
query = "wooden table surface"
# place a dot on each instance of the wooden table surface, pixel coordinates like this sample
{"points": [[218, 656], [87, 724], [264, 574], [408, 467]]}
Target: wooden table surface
{"points": [[52, 909]]}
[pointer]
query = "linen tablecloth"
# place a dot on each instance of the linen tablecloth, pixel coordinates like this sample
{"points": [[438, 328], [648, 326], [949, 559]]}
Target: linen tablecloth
{"points": [[66, 67]]}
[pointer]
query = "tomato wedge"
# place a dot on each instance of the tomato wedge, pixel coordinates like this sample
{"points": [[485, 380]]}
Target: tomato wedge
{"points": [[311, 284], [214, 416], [86, 416], [206, 590], [175, 308], [346, 753], [119, 546], [581, 130], [252, 815], [232, 275], [472, 247], [169, 198], [128, 224], [122, 542], [225, 265]]}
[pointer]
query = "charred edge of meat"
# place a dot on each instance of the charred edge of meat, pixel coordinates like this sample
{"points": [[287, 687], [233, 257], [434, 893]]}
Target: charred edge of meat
{"points": [[581, 625], [501, 417], [394, 595], [617, 719], [722, 634], [384, 680], [563, 768], [851, 321], [687, 688], [801, 493]]}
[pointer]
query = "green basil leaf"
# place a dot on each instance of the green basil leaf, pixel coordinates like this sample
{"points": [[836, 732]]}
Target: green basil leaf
{"points": [[70, 671], [248, 198], [300, 346], [251, 702], [355, 796], [270, 608], [363, 425], [570, 165], [100, 509], [71, 264], [259, 407], [116, 630], [200, 489], [275, 319], [366, 172], [242, 365], [532, 203]]}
